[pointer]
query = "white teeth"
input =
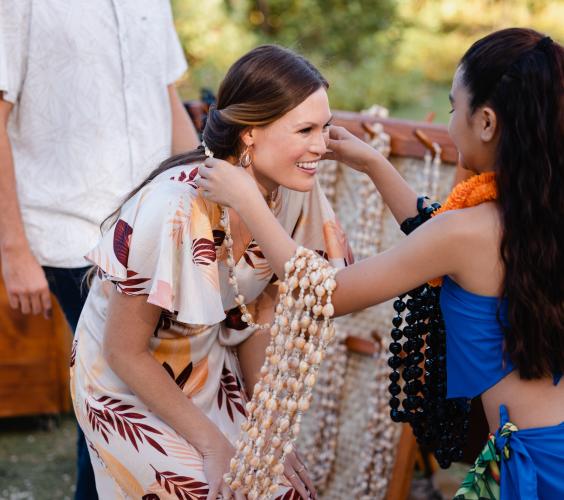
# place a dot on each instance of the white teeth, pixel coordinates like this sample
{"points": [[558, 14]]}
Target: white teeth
{"points": [[307, 165]]}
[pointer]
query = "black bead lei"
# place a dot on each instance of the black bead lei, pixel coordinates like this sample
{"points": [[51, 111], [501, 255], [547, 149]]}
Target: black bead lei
{"points": [[438, 423]]}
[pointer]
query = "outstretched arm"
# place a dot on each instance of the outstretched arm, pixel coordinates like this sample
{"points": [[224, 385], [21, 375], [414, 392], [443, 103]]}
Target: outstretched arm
{"points": [[431, 251]]}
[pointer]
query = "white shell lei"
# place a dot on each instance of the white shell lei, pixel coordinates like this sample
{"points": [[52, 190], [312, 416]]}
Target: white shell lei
{"points": [[298, 344], [300, 334], [246, 316]]}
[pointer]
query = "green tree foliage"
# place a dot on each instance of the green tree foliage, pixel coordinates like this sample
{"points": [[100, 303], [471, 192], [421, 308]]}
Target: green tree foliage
{"points": [[333, 29], [390, 52]]}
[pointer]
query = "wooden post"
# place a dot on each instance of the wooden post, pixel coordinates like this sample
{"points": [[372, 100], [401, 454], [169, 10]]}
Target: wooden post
{"points": [[402, 473]]}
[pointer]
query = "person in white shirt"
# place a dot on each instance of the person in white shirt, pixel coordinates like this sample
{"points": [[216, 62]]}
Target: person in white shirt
{"points": [[88, 107]]}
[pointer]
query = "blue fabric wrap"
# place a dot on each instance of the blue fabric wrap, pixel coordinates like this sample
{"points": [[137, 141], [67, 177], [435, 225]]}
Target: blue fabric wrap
{"points": [[475, 359], [535, 467]]}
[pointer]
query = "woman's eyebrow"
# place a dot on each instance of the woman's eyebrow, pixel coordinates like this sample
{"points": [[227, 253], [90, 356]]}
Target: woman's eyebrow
{"points": [[309, 124]]}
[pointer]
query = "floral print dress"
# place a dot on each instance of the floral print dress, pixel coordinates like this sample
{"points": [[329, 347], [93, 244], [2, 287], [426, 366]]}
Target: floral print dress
{"points": [[167, 244]]}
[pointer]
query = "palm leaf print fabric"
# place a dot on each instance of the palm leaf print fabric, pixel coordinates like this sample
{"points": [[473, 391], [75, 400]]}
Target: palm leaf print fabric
{"points": [[167, 244]]}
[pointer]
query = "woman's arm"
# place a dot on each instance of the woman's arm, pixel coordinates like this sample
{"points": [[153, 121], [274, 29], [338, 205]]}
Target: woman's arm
{"points": [[126, 349], [435, 249], [396, 192]]}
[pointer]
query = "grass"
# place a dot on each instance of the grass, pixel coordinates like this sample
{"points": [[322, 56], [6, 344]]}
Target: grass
{"points": [[37, 458]]}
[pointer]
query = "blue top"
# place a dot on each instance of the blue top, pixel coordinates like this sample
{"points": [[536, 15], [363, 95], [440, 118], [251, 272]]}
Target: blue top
{"points": [[474, 344]]}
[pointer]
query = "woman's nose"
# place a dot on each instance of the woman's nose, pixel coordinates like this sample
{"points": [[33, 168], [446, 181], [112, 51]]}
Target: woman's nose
{"points": [[319, 145]]}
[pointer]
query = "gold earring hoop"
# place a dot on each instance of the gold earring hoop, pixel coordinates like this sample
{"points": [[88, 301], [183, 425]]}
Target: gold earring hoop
{"points": [[246, 159]]}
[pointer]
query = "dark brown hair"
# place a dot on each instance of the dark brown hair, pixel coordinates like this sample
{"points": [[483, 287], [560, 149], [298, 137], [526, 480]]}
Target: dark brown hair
{"points": [[519, 73]]}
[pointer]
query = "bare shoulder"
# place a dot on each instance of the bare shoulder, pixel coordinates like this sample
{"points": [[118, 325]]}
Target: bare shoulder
{"points": [[482, 221], [474, 235]]}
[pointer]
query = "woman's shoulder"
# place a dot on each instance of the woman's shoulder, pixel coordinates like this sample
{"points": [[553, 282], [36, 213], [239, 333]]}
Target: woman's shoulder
{"points": [[179, 176], [173, 191], [483, 219]]}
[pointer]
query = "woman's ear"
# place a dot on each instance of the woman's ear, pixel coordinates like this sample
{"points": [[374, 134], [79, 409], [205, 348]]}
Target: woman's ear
{"points": [[247, 136], [488, 124]]}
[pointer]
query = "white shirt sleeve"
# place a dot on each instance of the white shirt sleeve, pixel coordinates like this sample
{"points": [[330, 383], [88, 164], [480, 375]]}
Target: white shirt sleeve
{"points": [[14, 38], [176, 62]]}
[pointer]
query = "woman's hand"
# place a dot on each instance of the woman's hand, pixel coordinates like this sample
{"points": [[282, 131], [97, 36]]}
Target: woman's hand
{"points": [[347, 148], [226, 184], [296, 472], [216, 464]]}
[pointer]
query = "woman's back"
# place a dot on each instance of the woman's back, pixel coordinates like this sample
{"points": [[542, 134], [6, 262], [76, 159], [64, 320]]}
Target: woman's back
{"points": [[531, 403]]}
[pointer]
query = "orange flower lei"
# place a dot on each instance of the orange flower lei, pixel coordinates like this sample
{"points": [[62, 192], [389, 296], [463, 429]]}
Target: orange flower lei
{"points": [[478, 189]]}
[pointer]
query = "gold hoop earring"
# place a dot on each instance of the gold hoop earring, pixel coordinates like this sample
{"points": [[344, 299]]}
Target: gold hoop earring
{"points": [[246, 159]]}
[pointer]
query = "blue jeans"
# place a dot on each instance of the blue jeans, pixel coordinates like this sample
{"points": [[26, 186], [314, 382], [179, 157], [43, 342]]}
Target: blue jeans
{"points": [[67, 286]]}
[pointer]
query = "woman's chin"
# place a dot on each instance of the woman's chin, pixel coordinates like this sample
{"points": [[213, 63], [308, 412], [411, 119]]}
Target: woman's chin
{"points": [[300, 184]]}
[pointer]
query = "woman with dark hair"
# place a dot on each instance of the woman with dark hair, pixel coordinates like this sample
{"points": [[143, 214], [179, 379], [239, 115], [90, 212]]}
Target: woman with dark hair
{"points": [[164, 361], [497, 245]]}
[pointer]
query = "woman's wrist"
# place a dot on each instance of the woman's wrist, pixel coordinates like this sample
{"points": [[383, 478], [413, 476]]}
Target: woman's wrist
{"points": [[251, 203], [372, 165], [205, 436]]}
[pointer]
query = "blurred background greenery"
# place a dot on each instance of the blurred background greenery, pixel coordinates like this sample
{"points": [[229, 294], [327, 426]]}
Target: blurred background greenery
{"points": [[397, 53]]}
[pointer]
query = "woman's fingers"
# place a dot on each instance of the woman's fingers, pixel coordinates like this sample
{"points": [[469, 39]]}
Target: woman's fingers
{"points": [[336, 132], [298, 485], [213, 491], [291, 467], [329, 155], [226, 493], [239, 496], [203, 171], [304, 476], [202, 182]]}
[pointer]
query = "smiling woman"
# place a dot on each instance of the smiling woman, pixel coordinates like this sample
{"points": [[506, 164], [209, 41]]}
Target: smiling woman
{"points": [[156, 384]]}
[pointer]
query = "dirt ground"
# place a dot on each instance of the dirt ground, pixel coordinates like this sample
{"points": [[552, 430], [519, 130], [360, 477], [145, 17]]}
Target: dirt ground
{"points": [[37, 462], [37, 458]]}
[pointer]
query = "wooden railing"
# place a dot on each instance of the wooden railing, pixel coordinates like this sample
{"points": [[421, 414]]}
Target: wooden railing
{"points": [[404, 141]]}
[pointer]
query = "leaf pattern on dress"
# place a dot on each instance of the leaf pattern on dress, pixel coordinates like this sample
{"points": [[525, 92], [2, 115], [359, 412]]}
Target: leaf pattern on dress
{"points": [[122, 239], [233, 319], [73, 352], [230, 388], [203, 251], [323, 254], [180, 223], [130, 285], [115, 416], [188, 179], [252, 249], [182, 377], [291, 494], [164, 323], [218, 237], [184, 487], [183, 453]]}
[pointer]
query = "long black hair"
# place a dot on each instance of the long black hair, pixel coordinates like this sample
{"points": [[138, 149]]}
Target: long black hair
{"points": [[519, 73]]}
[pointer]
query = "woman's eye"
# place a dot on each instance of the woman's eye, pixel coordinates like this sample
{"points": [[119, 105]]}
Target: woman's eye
{"points": [[451, 111], [305, 130]]}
